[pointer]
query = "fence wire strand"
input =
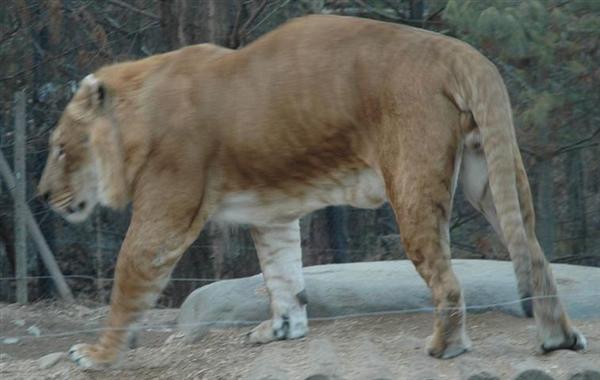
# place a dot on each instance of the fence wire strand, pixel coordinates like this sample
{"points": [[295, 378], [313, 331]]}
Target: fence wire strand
{"points": [[170, 327]]}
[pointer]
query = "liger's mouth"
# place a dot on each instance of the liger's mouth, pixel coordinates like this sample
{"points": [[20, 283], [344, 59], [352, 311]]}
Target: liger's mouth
{"points": [[66, 204]]}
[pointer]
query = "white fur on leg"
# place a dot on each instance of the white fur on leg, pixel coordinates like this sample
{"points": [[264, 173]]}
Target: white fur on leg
{"points": [[294, 326], [280, 256]]}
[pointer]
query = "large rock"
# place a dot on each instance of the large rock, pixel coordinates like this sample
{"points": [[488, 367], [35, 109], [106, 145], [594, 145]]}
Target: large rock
{"points": [[379, 287]]}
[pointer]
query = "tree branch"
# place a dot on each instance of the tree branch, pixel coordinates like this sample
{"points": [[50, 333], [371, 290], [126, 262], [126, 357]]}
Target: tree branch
{"points": [[389, 17], [464, 220], [255, 13], [142, 12], [11, 34], [577, 144], [280, 6], [234, 40]]}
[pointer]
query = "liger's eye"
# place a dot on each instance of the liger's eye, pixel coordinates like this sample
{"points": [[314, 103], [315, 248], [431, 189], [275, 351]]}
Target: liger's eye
{"points": [[60, 153]]}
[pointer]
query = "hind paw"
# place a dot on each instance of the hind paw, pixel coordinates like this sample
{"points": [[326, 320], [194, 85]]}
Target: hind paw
{"points": [[448, 348], [573, 341]]}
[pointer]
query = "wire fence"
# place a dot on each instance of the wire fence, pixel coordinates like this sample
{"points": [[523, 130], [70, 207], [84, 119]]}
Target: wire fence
{"points": [[167, 327], [92, 278]]}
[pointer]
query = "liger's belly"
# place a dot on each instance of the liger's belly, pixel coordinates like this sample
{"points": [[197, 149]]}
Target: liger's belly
{"points": [[360, 188]]}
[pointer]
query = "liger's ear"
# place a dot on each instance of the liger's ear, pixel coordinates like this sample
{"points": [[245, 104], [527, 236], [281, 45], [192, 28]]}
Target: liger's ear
{"points": [[94, 90]]}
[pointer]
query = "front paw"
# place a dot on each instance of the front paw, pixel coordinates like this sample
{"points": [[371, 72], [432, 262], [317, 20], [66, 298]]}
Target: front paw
{"points": [[278, 329], [261, 334], [89, 356]]}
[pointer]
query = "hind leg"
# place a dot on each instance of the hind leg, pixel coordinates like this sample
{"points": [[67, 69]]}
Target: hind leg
{"points": [[422, 204], [419, 159], [280, 257], [423, 222]]}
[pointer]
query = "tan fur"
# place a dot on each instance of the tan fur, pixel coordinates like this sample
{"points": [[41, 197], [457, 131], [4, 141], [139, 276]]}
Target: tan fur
{"points": [[324, 110]]}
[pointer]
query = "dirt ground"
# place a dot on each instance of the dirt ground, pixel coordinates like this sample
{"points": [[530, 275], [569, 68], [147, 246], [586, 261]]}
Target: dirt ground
{"points": [[369, 348]]}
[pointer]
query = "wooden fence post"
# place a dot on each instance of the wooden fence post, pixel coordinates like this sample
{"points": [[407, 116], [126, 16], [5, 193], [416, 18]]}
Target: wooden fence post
{"points": [[20, 199]]}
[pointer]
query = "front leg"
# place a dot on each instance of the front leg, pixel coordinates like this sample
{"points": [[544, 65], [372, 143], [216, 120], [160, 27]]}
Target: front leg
{"points": [[156, 239], [280, 257], [138, 283]]}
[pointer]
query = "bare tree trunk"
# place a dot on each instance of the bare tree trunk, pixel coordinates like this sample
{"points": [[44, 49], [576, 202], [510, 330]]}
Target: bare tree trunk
{"points": [[20, 198], [7, 258], [99, 257], [27, 58], [545, 198], [55, 21], [417, 7], [169, 23], [213, 21], [318, 250], [219, 238], [577, 221], [338, 236]]}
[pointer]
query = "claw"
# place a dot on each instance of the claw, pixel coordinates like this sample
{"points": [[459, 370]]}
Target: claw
{"points": [[81, 356]]}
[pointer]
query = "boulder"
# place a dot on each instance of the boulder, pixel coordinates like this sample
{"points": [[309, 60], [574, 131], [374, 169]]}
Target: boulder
{"points": [[381, 287]]}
